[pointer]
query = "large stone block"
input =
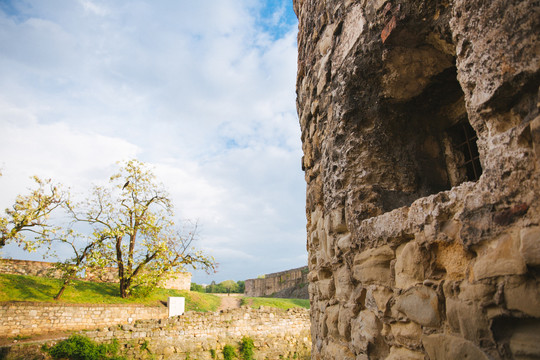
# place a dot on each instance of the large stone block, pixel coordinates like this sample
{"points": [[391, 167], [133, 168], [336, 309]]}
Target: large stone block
{"points": [[410, 265], [399, 353], [523, 295], [343, 283], [335, 350], [467, 319], [377, 298], [448, 347], [499, 257], [326, 288], [352, 29], [364, 330], [530, 245], [332, 319], [407, 334], [475, 291], [373, 266], [344, 322], [421, 305]]}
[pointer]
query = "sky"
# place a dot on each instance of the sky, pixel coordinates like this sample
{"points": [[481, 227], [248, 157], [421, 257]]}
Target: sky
{"points": [[202, 91]]}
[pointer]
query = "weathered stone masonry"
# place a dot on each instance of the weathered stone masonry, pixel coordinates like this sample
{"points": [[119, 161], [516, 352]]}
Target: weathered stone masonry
{"points": [[276, 333], [286, 284], [421, 138], [23, 318]]}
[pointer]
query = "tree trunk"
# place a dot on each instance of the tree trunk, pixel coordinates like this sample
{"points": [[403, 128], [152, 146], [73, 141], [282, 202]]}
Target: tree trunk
{"points": [[62, 289], [124, 287], [123, 292]]}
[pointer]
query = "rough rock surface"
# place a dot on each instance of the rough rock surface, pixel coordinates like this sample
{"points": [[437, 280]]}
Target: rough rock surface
{"points": [[421, 138]]}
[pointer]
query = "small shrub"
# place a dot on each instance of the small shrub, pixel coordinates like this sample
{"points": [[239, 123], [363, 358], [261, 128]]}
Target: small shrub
{"points": [[246, 348], [79, 347], [145, 346], [229, 352], [213, 354]]}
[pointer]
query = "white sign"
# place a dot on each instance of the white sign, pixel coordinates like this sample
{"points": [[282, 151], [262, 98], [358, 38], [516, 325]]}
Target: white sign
{"points": [[176, 306]]}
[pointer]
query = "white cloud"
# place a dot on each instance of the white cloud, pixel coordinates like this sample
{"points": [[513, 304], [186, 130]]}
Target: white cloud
{"points": [[202, 90]]}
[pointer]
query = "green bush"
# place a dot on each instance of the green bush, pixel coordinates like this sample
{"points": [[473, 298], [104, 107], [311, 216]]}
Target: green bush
{"points": [[79, 347], [228, 352], [246, 348]]}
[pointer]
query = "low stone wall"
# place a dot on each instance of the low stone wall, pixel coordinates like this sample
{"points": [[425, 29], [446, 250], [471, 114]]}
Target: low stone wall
{"points": [[28, 318], [275, 283], [276, 333]]}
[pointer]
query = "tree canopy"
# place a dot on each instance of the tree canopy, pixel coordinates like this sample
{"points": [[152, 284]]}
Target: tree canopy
{"points": [[30, 215], [130, 225]]}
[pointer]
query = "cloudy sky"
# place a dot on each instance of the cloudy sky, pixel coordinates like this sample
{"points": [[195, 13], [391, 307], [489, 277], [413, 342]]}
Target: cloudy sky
{"points": [[204, 91]]}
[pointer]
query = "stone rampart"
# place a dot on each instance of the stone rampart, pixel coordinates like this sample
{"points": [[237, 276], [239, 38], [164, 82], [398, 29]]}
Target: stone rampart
{"points": [[284, 282], [20, 318], [421, 139], [28, 267], [178, 281], [276, 334]]}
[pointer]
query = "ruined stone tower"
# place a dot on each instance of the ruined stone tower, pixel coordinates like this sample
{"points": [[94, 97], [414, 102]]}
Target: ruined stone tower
{"points": [[421, 138]]}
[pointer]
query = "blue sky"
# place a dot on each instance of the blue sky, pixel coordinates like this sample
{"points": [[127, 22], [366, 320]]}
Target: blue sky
{"points": [[204, 91]]}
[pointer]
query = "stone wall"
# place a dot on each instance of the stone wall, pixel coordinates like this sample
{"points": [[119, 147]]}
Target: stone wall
{"points": [[421, 139], [276, 333], [289, 284], [178, 281], [20, 318], [28, 267]]}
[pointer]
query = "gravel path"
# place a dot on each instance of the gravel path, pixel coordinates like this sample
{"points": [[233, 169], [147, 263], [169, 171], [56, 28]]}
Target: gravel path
{"points": [[231, 301]]}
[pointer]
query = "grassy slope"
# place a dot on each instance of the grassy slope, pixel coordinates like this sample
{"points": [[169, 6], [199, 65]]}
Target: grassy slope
{"points": [[33, 288], [256, 302]]}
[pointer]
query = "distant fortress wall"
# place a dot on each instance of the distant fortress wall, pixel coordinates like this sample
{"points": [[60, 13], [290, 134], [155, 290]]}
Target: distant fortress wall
{"points": [[280, 284], [179, 281]]}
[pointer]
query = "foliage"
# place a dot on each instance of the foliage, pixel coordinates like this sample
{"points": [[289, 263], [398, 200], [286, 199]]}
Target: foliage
{"points": [[30, 215], [145, 346], [241, 286], [132, 221], [229, 285], [129, 224], [256, 302], [246, 348], [229, 352], [196, 287], [78, 347], [225, 287], [33, 288], [213, 354]]}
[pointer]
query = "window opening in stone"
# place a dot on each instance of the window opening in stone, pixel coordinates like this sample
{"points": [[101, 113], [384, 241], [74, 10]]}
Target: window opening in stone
{"points": [[464, 141], [425, 142]]}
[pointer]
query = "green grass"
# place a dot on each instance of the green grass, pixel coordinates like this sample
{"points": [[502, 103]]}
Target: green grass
{"points": [[256, 302], [33, 288]]}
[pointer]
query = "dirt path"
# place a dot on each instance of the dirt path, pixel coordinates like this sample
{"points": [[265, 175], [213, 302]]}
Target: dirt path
{"points": [[231, 301]]}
